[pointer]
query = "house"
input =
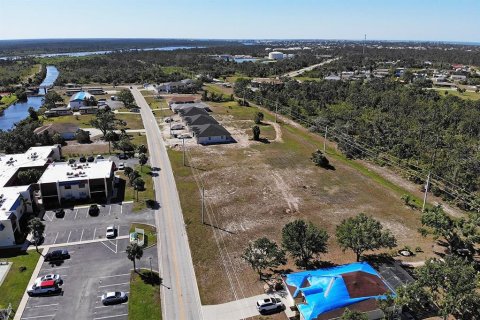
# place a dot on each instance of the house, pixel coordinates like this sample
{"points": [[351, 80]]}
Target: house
{"points": [[79, 100], [177, 86], [192, 111], [199, 119], [458, 77], [324, 294], [71, 85], [182, 99], [59, 111], [88, 109], [333, 78], [256, 82], [66, 130], [72, 91], [177, 107], [211, 134], [96, 91], [16, 198], [63, 182]]}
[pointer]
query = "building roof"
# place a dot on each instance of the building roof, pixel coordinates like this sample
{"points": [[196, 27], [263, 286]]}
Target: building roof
{"points": [[65, 172], [200, 119], [180, 106], [192, 111], [80, 96], [325, 290], [182, 99], [210, 130], [57, 127]]}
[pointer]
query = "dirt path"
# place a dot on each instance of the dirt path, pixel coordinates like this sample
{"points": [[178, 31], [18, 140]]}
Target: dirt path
{"points": [[278, 131]]}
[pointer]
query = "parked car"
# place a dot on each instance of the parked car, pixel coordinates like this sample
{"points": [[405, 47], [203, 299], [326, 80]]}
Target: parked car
{"points": [[121, 166], [184, 136], [114, 297], [59, 213], [177, 126], [93, 210], [167, 120], [100, 156], [269, 305], [83, 159], [48, 277], [90, 159], [43, 287], [57, 255], [111, 232], [122, 156], [113, 98]]}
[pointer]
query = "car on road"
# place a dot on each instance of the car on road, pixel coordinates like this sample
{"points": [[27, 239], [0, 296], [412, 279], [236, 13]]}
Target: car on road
{"points": [[43, 287], [83, 159], [111, 232], [121, 166], [48, 277], [114, 297], [93, 210], [90, 159], [122, 156], [57, 255], [269, 305], [59, 213]]}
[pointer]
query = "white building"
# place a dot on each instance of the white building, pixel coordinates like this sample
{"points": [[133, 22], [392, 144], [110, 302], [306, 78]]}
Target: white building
{"points": [[16, 198], [276, 55], [78, 100]]}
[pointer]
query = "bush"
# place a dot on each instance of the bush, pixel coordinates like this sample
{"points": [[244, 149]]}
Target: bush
{"points": [[319, 159]]}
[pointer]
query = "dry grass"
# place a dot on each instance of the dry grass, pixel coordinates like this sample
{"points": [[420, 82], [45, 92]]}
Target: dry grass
{"points": [[253, 189]]}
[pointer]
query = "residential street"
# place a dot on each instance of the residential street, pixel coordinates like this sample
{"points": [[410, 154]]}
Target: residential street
{"points": [[180, 296]]}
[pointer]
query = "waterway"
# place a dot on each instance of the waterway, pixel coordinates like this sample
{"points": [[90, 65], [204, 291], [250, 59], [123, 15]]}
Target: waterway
{"points": [[19, 111]]}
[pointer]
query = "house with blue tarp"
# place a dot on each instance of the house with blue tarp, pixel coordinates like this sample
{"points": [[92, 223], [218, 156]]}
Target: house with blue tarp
{"points": [[325, 293]]}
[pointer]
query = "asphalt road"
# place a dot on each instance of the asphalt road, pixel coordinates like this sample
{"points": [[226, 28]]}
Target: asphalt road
{"points": [[180, 296], [296, 73]]}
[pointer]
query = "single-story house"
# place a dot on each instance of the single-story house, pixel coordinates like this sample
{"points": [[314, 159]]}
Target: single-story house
{"points": [[60, 111], [324, 294], [211, 134], [199, 119], [333, 78], [79, 100], [96, 91], [176, 107], [182, 99], [88, 109], [71, 92], [66, 130], [256, 82], [177, 86], [192, 111]]}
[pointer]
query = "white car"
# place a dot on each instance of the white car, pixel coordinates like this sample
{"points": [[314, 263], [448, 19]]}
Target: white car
{"points": [[111, 232], [114, 297], [121, 166], [269, 305], [47, 277]]}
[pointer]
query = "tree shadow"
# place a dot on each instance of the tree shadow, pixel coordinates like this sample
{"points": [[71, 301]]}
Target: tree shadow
{"points": [[151, 278], [211, 225], [320, 264], [378, 258]]}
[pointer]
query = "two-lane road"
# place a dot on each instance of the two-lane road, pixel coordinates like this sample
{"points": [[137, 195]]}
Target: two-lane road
{"points": [[180, 296]]}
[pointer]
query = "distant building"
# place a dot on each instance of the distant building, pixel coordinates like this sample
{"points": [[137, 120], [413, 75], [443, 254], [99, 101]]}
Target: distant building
{"points": [[191, 110], [96, 91], [79, 100], [59, 111], [256, 82], [176, 107], [176, 87], [66, 130], [182, 99], [72, 91], [276, 55], [458, 77], [89, 109]]}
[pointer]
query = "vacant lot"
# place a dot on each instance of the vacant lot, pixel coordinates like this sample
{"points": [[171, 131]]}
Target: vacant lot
{"points": [[253, 189]]}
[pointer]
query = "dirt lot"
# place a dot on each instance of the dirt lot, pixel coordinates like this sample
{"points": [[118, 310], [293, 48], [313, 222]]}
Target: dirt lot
{"points": [[253, 189]]}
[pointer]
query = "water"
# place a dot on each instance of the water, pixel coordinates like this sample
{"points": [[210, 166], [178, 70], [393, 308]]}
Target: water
{"points": [[19, 111], [241, 60], [91, 53]]}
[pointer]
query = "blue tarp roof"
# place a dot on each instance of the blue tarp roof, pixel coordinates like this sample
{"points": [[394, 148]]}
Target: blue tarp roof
{"points": [[327, 290], [80, 96]]}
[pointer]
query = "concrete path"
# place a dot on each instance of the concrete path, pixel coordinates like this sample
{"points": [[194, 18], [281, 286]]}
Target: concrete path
{"points": [[180, 296]]}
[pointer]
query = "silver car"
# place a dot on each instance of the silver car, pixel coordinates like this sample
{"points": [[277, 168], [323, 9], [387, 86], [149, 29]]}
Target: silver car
{"points": [[114, 297]]}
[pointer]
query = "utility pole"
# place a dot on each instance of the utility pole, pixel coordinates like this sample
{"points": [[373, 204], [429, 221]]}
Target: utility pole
{"points": [[203, 205], [427, 185], [325, 140], [183, 144], [151, 272]]}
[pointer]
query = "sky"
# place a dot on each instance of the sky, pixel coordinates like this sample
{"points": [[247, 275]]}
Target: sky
{"points": [[436, 20]]}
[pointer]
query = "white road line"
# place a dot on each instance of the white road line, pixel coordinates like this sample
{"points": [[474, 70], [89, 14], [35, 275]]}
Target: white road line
{"points": [[81, 236], [76, 212], [108, 247], [109, 209], [109, 306], [48, 315], [43, 305], [118, 231], [57, 268], [121, 209], [118, 315], [116, 275], [115, 284], [86, 214], [68, 239], [116, 246], [95, 231], [55, 238]]}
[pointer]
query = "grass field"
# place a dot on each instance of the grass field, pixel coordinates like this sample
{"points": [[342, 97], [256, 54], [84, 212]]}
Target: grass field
{"points": [[82, 121], [16, 281], [146, 194], [144, 297], [5, 101], [134, 121], [150, 233], [468, 95], [253, 189]]}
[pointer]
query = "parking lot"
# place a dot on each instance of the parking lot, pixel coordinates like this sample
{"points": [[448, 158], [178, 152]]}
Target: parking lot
{"points": [[92, 270]]}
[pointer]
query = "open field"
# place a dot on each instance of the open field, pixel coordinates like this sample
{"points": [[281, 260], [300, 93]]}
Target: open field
{"points": [[468, 95], [16, 280], [133, 120], [75, 149], [253, 189], [82, 121], [144, 298], [156, 103]]}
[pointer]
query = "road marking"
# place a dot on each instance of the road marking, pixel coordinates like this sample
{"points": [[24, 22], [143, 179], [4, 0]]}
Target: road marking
{"points": [[43, 305], [108, 247], [109, 209], [95, 231], [121, 209], [110, 306], [86, 214], [115, 284], [118, 315], [81, 236], [68, 239], [57, 268], [117, 275], [76, 212], [48, 315], [55, 238]]}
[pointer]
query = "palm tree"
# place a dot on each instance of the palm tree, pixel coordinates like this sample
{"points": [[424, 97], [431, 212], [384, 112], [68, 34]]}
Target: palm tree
{"points": [[138, 184], [24, 202], [37, 227], [110, 136], [142, 149], [134, 251], [142, 159]]}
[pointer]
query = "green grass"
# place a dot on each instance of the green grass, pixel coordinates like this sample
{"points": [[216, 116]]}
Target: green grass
{"points": [[83, 121], [147, 194], [16, 281], [144, 298], [150, 233], [8, 100], [467, 95], [134, 121]]}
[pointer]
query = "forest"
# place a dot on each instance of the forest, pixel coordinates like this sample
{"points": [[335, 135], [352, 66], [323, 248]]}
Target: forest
{"points": [[13, 72]]}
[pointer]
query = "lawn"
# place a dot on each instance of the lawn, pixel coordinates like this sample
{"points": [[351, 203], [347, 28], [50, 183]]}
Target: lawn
{"points": [[144, 298], [147, 194], [5, 101], [468, 95], [82, 121], [16, 282], [134, 121], [150, 233]]}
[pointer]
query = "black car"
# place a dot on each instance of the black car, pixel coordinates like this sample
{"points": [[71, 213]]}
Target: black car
{"points": [[57, 255], [122, 156], [90, 159], [83, 159], [94, 210], [59, 213]]}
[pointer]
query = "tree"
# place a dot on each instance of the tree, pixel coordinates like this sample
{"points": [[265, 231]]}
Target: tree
{"points": [[142, 159], [353, 315], [110, 136], [258, 117], [262, 254], [124, 144], [256, 133], [127, 171], [58, 139], [138, 185], [319, 159], [363, 233], [29, 176], [142, 149], [451, 284], [134, 252], [304, 241], [126, 97], [37, 228], [105, 121], [51, 98], [82, 136], [132, 176], [32, 114]]}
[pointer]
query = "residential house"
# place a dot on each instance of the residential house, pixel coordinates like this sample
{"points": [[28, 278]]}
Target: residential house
{"points": [[182, 99], [56, 112], [180, 106], [211, 134], [66, 130], [79, 100]]}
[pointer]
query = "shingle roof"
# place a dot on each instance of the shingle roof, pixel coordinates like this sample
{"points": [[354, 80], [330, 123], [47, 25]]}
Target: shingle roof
{"points": [[210, 130], [192, 111], [57, 127], [200, 119]]}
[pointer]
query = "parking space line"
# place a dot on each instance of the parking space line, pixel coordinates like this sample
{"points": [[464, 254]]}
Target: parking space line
{"points": [[81, 235], [48, 315], [115, 284], [68, 239], [76, 212], [94, 231], [109, 209], [109, 247], [118, 315], [55, 238], [86, 214], [116, 275], [43, 305], [121, 209], [57, 268], [100, 307]]}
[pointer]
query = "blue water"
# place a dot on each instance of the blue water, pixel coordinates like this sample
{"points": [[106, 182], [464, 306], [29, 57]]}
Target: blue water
{"points": [[19, 111], [241, 60]]}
